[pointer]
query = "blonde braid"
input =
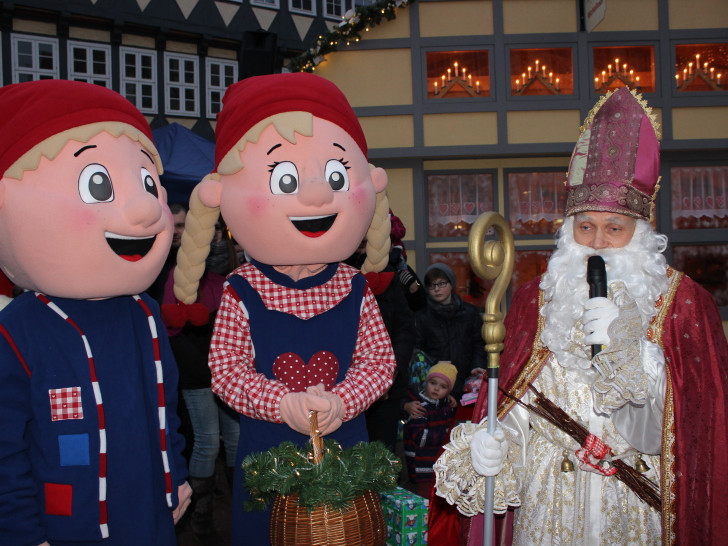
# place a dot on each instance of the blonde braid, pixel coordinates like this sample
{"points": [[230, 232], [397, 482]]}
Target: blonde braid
{"points": [[378, 241], [196, 239]]}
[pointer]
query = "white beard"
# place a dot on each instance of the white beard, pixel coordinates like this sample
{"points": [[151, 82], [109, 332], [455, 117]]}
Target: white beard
{"points": [[640, 265]]}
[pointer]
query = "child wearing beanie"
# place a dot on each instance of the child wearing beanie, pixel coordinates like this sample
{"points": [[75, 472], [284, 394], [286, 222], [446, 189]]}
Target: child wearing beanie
{"points": [[425, 435]]}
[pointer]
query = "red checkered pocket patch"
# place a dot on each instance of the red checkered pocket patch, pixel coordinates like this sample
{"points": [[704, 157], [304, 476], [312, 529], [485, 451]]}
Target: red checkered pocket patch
{"points": [[66, 403]]}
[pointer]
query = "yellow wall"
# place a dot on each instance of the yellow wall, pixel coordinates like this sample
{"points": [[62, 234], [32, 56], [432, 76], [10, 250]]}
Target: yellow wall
{"points": [[456, 18], [703, 14], [398, 27], [528, 127], [462, 129], [381, 77], [706, 122], [631, 15], [388, 131], [539, 16]]}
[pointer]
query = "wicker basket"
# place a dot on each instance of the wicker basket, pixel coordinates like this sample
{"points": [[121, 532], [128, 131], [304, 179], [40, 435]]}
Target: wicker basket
{"points": [[361, 524]]}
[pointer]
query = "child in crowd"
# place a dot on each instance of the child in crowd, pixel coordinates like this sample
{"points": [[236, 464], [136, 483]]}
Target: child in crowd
{"points": [[424, 435]]}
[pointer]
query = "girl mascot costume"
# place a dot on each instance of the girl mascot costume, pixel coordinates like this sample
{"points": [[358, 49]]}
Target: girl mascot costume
{"points": [[89, 448], [296, 331]]}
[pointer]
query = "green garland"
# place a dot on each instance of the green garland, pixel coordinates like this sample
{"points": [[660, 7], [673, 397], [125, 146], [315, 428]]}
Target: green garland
{"points": [[354, 22], [341, 477]]}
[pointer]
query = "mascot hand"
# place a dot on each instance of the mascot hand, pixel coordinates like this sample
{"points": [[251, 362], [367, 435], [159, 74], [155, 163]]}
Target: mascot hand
{"points": [[330, 420], [599, 313], [295, 407], [487, 452]]}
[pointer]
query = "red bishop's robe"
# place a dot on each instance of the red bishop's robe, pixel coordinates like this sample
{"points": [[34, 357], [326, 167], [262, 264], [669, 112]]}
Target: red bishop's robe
{"points": [[694, 476]]}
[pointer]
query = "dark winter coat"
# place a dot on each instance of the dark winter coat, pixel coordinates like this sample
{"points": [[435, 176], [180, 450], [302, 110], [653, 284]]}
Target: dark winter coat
{"points": [[453, 333]]}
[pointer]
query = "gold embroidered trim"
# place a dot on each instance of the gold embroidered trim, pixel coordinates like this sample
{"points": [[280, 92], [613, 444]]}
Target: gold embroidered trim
{"points": [[667, 479], [629, 200]]}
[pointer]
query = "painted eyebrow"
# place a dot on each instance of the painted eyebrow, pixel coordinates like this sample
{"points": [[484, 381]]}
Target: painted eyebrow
{"points": [[339, 146], [273, 148], [78, 152], [146, 154]]}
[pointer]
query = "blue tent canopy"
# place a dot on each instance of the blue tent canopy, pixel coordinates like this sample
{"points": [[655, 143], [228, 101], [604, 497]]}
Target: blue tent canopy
{"points": [[186, 157]]}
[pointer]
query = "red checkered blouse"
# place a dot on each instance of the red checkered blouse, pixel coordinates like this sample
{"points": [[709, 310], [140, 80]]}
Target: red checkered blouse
{"points": [[232, 355]]}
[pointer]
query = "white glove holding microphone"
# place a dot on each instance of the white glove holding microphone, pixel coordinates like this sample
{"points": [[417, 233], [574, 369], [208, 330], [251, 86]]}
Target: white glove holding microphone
{"points": [[487, 452], [599, 313]]}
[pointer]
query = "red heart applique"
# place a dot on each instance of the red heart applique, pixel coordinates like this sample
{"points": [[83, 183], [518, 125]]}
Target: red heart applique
{"points": [[323, 367]]}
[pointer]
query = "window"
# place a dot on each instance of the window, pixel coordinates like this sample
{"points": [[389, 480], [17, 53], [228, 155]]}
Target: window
{"points": [[220, 75], [456, 200], [615, 67], [182, 87], [89, 63], [302, 6], [699, 197], [705, 264], [457, 74], [542, 71], [699, 224], [139, 78], [265, 3], [701, 67], [536, 202], [334, 8], [34, 58]]}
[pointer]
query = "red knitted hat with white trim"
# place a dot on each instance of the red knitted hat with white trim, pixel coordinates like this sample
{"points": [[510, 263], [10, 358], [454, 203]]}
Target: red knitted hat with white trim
{"points": [[254, 99], [31, 112]]}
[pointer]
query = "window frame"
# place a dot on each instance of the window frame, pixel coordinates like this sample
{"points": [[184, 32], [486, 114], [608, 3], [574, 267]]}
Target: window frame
{"points": [[210, 88], [342, 5], [169, 86], [271, 4], [35, 72], [139, 81], [89, 77], [302, 11]]}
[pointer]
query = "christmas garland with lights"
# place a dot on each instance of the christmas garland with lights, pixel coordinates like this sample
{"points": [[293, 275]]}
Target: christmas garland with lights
{"points": [[341, 477], [354, 22]]}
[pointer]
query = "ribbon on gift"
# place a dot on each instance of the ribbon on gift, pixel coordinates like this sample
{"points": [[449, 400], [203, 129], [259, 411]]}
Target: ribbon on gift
{"points": [[595, 448]]}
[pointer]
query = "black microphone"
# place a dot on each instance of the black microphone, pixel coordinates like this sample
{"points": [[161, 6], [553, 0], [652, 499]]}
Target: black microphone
{"points": [[596, 276]]}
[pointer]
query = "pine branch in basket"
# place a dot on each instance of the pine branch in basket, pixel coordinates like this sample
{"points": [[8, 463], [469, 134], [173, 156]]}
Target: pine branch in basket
{"points": [[642, 486]]}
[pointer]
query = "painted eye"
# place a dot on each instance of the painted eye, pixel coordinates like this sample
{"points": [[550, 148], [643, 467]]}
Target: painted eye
{"points": [[284, 178], [336, 175], [149, 184], [94, 184]]}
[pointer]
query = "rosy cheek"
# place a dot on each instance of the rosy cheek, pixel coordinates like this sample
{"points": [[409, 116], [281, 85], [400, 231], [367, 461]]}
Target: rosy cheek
{"points": [[258, 206]]}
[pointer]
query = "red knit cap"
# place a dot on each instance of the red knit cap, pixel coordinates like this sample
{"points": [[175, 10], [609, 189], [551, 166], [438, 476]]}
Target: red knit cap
{"points": [[257, 98], [31, 112]]}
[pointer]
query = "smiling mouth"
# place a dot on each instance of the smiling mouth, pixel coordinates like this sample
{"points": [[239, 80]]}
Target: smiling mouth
{"points": [[314, 226], [132, 249]]}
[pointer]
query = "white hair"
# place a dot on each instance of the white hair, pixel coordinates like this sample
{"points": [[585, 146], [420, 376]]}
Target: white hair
{"points": [[640, 265]]}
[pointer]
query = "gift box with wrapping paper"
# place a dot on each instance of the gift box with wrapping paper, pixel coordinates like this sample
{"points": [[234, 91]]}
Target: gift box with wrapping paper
{"points": [[405, 515]]}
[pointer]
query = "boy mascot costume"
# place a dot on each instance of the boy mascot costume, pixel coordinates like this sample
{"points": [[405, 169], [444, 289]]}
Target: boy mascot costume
{"points": [[89, 448], [296, 331]]}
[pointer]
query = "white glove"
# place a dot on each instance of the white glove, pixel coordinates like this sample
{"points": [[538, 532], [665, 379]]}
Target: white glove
{"points": [[487, 452], [598, 315]]}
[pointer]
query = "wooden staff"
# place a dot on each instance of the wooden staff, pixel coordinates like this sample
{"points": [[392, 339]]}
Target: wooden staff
{"points": [[492, 259]]}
